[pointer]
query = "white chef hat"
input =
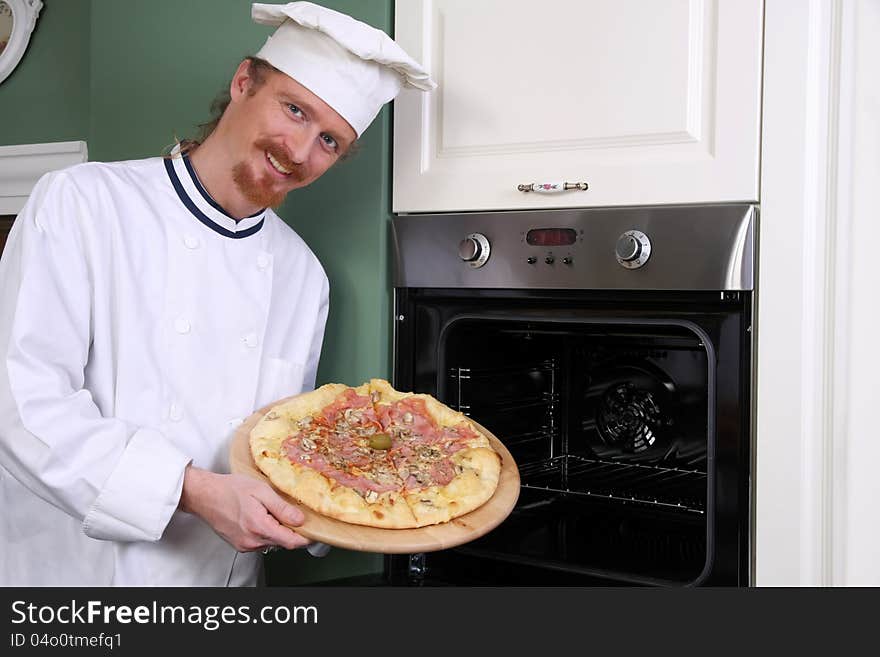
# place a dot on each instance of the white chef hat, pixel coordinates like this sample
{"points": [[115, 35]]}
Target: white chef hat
{"points": [[352, 67]]}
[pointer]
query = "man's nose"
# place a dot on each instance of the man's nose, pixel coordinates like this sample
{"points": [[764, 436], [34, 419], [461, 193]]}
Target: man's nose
{"points": [[300, 146]]}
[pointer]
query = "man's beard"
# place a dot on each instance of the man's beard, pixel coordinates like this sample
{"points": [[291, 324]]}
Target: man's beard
{"points": [[263, 190]]}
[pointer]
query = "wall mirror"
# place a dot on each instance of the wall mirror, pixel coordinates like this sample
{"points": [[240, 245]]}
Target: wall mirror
{"points": [[17, 21]]}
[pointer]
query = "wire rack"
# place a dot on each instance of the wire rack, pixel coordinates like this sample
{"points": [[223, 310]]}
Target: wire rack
{"points": [[673, 488], [522, 402]]}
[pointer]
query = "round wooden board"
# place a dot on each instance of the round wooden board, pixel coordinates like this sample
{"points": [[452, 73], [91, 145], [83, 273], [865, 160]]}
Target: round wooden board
{"points": [[457, 531]]}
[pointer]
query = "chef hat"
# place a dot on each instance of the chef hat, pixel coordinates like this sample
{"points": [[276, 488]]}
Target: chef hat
{"points": [[351, 66]]}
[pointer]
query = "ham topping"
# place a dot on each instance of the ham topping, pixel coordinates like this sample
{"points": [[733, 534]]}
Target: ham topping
{"points": [[350, 407], [421, 449], [336, 444], [344, 466]]}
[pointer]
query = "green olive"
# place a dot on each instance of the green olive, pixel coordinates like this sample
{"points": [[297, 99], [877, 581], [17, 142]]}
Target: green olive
{"points": [[380, 441]]}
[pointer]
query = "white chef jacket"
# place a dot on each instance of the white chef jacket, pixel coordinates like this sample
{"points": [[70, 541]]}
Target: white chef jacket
{"points": [[139, 324]]}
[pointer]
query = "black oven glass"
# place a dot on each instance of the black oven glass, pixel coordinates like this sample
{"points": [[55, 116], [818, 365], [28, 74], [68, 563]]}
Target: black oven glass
{"points": [[603, 420]]}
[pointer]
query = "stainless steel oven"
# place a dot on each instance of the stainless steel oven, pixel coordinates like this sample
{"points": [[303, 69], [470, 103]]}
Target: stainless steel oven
{"points": [[611, 351]]}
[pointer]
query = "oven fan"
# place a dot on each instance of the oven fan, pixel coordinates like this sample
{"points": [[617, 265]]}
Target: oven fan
{"points": [[628, 418]]}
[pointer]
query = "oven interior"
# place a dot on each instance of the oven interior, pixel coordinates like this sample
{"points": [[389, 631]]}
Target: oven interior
{"points": [[609, 425]]}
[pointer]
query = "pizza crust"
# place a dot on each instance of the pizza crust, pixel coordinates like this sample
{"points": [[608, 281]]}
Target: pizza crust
{"points": [[468, 490], [328, 498], [478, 466], [281, 419]]}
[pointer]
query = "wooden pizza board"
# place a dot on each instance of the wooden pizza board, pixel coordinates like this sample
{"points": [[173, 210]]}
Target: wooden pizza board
{"points": [[334, 532]]}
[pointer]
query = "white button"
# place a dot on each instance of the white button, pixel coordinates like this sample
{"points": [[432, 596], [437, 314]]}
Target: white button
{"points": [[175, 412], [191, 241], [182, 325], [262, 261], [234, 422], [251, 340]]}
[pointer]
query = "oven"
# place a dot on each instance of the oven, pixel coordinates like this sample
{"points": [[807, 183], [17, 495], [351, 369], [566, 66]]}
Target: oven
{"points": [[611, 351]]}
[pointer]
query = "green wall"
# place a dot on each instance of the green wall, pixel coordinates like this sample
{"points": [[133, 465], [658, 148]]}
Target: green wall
{"points": [[46, 97], [130, 76]]}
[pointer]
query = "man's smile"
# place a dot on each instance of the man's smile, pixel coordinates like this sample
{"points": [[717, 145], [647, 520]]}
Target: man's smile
{"points": [[280, 168]]}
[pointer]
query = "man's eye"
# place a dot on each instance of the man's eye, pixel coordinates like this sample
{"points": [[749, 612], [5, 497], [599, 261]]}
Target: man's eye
{"points": [[296, 111], [329, 141]]}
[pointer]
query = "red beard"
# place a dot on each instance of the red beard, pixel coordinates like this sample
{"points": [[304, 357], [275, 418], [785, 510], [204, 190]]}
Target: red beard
{"points": [[264, 190]]}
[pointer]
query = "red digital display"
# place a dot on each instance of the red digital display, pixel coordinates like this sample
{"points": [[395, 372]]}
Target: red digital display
{"points": [[551, 237]]}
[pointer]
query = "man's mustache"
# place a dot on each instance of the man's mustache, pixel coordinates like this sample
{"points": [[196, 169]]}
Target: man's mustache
{"points": [[282, 157]]}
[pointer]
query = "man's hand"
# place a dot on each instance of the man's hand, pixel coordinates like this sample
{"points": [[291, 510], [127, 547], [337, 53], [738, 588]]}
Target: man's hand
{"points": [[245, 512]]}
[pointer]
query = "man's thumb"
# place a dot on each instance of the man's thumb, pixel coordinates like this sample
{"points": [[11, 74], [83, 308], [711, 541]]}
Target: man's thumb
{"points": [[284, 513]]}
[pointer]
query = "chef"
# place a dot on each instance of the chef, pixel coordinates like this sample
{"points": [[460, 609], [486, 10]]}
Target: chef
{"points": [[147, 307]]}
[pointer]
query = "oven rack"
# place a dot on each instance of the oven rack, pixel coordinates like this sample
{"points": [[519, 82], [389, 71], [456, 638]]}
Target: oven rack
{"points": [[464, 380], [672, 488], [511, 405], [543, 435], [502, 370]]}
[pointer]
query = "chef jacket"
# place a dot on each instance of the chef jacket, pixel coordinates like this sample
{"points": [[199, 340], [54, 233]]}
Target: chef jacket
{"points": [[140, 324]]}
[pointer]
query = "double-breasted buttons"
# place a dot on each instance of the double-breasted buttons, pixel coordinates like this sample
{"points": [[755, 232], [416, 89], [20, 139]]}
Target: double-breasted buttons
{"points": [[182, 325], [251, 339]]}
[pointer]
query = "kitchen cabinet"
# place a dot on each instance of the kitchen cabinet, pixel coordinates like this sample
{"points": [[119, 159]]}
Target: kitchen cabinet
{"points": [[645, 102]]}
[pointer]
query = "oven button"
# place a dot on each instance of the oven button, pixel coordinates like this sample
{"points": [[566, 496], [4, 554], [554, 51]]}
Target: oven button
{"points": [[550, 260], [633, 249], [474, 249], [531, 260]]}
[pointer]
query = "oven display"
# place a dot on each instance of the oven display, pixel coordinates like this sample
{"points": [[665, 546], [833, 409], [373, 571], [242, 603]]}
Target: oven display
{"points": [[551, 237]]}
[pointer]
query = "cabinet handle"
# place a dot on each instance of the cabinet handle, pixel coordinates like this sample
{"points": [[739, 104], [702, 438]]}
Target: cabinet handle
{"points": [[552, 187]]}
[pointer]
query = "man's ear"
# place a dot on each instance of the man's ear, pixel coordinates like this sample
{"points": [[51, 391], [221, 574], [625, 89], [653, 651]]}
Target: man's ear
{"points": [[241, 81]]}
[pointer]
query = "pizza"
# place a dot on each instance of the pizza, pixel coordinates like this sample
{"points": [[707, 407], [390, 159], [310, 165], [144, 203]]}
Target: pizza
{"points": [[370, 455]]}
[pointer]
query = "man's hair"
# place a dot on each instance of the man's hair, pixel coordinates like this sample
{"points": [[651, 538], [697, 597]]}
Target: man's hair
{"points": [[258, 70]]}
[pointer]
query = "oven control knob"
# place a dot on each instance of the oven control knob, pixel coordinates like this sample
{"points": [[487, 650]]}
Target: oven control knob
{"points": [[628, 248], [633, 249], [474, 249]]}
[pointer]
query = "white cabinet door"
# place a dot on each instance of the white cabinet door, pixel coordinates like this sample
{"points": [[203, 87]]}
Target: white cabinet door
{"points": [[647, 101]]}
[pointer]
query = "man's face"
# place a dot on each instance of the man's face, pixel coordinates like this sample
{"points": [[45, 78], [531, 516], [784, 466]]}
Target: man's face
{"points": [[282, 136]]}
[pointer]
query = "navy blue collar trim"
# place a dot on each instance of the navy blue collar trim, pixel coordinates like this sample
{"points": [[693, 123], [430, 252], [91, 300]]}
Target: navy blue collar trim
{"points": [[207, 196], [198, 214]]}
